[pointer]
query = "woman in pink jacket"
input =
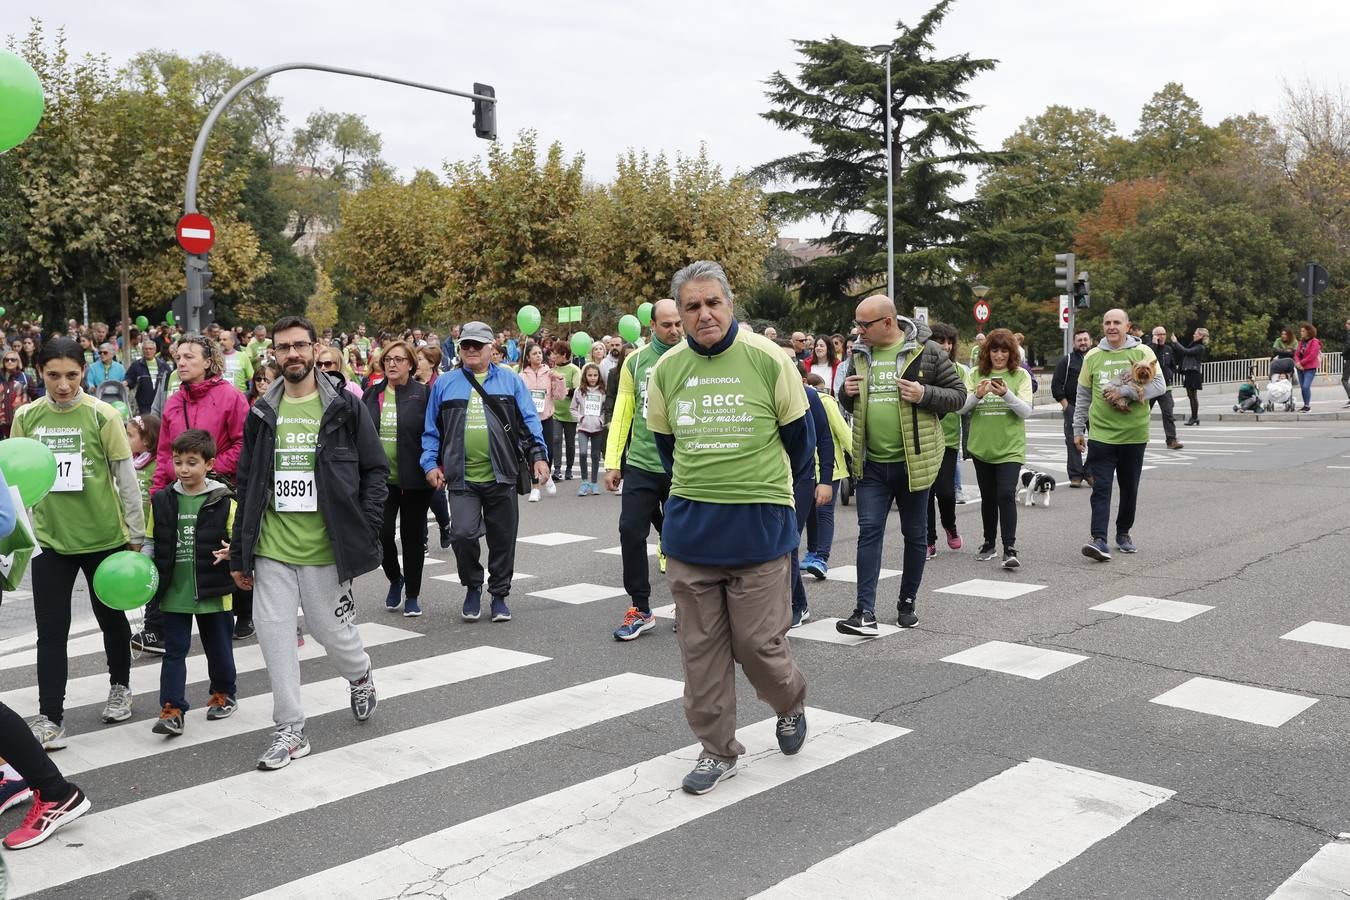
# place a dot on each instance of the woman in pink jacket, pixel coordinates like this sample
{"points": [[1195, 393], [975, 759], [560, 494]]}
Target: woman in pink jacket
{"points": [[1307, 357], [545, 386], [206, 401]]}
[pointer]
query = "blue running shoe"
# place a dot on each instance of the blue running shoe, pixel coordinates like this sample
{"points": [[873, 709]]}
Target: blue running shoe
{"points": [[394, 599], [818, 568], [499, 611], [13, 791], [473, 605], [635, 621], [1125, 544], [1097, 549], [411, 608]]}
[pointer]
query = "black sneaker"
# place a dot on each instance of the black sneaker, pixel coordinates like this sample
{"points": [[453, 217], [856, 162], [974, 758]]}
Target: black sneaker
{"points": [[1010, 560], [986, 552], [243, 628], [1124, 544], [1097, 549], [445, 538], [904, 614], [861, 623], [791, 733], [147, 642]]}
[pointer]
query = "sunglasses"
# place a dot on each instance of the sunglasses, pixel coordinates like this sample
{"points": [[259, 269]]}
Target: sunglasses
{"points": [[327, 364], [471, 346]]}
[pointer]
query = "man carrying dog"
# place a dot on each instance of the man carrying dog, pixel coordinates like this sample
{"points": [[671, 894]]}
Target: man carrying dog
{"points": [[1119, 436]]}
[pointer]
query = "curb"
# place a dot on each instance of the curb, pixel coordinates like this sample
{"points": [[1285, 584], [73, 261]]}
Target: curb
{"points": [[1338, 416]]}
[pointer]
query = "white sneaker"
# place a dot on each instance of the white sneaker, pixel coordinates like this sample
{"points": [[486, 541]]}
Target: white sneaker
{"points": [[550, 488], [534, 495]]}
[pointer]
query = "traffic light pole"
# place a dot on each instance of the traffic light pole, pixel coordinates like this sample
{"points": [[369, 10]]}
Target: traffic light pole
{"points": [[483, 99]]}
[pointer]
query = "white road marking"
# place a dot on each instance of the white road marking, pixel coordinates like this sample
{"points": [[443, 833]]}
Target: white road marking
{"points": [[993, 590], [1015, 659], [1153, 608], [1324, 877], [1328, 634], [1244, 703]]}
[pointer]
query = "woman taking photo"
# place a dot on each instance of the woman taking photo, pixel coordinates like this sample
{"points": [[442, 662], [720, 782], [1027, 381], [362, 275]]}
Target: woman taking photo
{"points": [[1308, 356], [1188, 364], [398, 407], [824, 362], [999, 401], [15, 389], [92, 511]]}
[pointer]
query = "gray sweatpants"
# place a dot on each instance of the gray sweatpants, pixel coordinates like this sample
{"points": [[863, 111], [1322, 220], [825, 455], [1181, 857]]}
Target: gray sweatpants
{"points": [[280, 590]]}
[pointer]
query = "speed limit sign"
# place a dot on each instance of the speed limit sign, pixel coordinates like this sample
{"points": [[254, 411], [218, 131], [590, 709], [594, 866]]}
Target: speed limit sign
{"points": [[981, 311]]}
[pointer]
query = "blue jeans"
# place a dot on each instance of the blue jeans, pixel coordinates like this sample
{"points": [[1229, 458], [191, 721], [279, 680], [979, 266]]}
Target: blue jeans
{"points": [[216, 630], [804, 499], [820, 526], [883, 484], [1305, 381]]}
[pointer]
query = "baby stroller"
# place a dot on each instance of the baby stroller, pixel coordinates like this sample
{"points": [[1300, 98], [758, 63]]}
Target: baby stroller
{"points": [[1280, 391], [108, 391]]}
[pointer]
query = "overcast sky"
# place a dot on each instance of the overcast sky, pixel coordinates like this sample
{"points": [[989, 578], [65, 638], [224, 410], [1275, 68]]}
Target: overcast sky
{"points": [[604, 77]]}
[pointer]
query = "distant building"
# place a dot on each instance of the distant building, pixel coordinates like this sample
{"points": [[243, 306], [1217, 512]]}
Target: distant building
{"points": [[803, 251]]}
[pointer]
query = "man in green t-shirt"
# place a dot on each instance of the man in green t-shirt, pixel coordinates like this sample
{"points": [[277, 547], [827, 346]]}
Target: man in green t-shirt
{"points": [[565, 437], [728, 415], [258, 348], [309, 522], [898, 384], [1112, 403], [238, 365]]}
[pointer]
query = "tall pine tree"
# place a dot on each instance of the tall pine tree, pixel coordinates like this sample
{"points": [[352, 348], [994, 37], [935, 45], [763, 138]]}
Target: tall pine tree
{"points": [[838, 103]]}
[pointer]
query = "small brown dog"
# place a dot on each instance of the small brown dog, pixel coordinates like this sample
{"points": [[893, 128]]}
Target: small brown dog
{"points": [[1138, 376]]}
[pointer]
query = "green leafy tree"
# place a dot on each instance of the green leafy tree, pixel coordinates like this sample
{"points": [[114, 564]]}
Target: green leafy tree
{"points": [[838, 101], [1172, 137]]}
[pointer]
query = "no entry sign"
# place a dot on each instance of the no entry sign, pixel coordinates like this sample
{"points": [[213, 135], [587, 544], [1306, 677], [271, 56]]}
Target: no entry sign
{"points": [[981, 311], [195, 233]]}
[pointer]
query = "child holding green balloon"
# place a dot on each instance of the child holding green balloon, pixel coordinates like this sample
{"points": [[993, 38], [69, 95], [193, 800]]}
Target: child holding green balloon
{"points": [[92, 511]]}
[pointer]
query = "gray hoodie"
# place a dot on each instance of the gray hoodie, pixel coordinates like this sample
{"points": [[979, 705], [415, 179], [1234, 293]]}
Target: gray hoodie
{"points": [[1156, 388]]}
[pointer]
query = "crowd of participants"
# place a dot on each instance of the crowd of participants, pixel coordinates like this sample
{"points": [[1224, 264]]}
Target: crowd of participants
{"points": [[264, 471]]}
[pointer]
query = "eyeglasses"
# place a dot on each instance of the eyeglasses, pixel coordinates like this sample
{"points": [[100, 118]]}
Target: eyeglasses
{"points": [[396, 359], [327, 364], [866, 325], [298, 346]]}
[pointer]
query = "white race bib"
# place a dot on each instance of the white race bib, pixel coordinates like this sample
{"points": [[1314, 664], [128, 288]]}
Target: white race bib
{"points": [[540, 400], [69, 452], [591, 407], [293, 488]]}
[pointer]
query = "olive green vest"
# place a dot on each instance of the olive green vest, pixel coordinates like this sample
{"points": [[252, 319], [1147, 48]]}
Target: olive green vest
{"points": [[920, 431]]}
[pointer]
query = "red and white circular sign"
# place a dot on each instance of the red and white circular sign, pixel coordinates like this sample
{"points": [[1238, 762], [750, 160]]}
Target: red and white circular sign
{"points": [[195, 233], [981, 311], [1064, 315]]}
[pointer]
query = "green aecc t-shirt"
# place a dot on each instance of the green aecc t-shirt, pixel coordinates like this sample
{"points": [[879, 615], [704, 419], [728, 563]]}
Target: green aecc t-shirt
{"points": [[292, 528]]}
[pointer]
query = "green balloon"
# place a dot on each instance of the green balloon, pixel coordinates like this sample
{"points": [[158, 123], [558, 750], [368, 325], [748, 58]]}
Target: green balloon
{"points": [[121, 408], [645, 314], [2, 310], [630, 329], [142, 323], [29, 466], [126, 580], [581, 346], [528, 319], [168, 318], [20, 100]]}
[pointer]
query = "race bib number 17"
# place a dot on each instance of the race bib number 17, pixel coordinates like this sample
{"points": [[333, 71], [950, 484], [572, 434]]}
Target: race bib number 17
{"points": [[69, 452]]}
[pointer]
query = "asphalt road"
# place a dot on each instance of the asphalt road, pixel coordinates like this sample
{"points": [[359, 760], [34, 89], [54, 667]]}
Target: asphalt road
{"points": [[540, 756]]}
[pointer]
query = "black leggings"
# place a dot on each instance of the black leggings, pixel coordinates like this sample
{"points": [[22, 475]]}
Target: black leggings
{"points": [[1193, 395], [592, 455], [564, 441], [21, 750], [409, 508], [943, 496], [53, 579], [998, 499]]}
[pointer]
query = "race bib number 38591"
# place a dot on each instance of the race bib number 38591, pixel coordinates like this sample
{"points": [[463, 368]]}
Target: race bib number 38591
{"points": [[293, 488]]}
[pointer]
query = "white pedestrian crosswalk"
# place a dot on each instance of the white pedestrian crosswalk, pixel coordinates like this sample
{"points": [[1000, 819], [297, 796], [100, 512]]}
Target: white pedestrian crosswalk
{"points": [[994, 838]]}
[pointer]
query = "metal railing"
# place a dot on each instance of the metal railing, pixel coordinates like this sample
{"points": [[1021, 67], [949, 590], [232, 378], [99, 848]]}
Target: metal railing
{"points": [[1232, 371]]}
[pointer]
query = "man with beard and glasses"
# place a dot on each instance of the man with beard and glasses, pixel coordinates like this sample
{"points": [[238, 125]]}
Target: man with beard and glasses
{"points": [[313, 479]]}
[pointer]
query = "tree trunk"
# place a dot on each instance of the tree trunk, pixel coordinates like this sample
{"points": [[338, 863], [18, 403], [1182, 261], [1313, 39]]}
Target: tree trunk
{"points": [[124, 282]]}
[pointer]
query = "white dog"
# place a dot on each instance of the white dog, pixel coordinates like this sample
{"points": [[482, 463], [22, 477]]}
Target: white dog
{"points": [[1034, 483]]}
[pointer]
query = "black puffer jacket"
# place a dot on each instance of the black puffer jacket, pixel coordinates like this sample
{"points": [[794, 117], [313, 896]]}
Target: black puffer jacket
{"points": [[412, 414]]}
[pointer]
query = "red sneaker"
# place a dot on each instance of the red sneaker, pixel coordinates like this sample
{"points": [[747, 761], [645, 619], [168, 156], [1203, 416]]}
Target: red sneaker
{"points": [[44, 818], [953, 539]]}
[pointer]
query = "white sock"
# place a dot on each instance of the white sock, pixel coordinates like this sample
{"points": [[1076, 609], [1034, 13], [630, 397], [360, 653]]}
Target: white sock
{"points": [[10, 773]]}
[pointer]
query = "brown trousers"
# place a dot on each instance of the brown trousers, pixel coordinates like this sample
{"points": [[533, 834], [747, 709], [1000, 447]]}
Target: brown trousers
{"points": [[731, 614]]}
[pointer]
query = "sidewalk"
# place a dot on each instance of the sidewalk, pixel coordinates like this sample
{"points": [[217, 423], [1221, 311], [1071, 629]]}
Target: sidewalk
{"points": [[1216, 405]]}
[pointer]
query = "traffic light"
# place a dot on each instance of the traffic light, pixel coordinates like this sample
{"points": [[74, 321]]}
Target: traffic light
{"points": [[206, 314], [1064, 279], [485, 112], [1082, 297]]}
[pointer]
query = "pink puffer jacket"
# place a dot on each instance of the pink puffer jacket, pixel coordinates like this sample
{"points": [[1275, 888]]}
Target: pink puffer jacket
{"points": [[212, 405]]}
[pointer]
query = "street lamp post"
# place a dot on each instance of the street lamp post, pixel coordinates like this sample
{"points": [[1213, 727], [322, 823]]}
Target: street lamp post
{"points": [[890, 180]]}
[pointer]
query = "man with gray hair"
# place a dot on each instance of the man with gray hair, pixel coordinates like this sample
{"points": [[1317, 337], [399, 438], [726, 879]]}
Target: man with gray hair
{"points": [[106, 368], [728, 415]]}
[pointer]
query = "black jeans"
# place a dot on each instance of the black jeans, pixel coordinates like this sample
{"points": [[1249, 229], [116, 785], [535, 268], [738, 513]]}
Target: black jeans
{"points": [[641, 509], [550, 429], [804, 499], [216, 631], [1077, 468], [440, 508], [592, 450], [409, 507], [21, 750], [1125, 462], [998, 500], [1168, 418], [485, 508], [943, 496], [53, 578], [564, 441]]}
